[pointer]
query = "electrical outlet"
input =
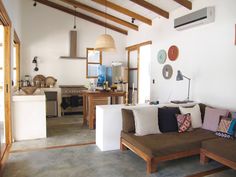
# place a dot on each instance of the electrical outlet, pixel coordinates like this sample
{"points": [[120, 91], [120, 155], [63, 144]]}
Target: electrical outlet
{"points": [[153, 81]]}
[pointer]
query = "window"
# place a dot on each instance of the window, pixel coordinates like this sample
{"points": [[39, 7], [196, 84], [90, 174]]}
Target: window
{"points": [[94, 60]]}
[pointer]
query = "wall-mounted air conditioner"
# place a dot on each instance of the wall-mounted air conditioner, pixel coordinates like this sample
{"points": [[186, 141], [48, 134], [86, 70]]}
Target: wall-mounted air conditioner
{"points": [[200, 17]]}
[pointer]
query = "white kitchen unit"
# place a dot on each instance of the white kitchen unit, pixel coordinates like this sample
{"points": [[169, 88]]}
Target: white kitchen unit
{"points": [[29, 116], [109, 124]]}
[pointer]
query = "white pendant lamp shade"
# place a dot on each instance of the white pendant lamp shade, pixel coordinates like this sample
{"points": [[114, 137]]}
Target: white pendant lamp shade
{"points": [[105, 43]]}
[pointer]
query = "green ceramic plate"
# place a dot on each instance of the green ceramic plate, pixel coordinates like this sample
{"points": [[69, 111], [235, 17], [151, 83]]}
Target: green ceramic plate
{"points": [[161, 56]]}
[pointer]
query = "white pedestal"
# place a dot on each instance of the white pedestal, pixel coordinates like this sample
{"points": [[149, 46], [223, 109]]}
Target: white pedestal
{"points": [[109, 126], [29, 116]]}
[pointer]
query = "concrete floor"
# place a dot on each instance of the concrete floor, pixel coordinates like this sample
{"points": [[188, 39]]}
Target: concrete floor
{"points": [[60, 131], [89, 161]]}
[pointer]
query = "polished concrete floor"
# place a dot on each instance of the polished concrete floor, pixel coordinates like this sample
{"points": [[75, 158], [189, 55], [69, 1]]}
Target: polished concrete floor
{"points": [[60, 131], [89, 161]]}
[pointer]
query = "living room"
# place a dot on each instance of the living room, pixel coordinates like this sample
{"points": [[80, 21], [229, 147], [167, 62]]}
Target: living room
{"points": [[200, 56]]}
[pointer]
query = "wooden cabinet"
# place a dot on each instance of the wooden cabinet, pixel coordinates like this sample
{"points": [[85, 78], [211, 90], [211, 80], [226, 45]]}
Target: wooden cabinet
{"points": [[92, 99]]}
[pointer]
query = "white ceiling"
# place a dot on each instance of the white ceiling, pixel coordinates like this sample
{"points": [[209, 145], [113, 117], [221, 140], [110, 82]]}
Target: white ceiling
{"points": [[167, 5]]}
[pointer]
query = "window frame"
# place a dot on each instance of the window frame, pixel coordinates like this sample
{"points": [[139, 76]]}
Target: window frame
{"points": [[92, 63]]}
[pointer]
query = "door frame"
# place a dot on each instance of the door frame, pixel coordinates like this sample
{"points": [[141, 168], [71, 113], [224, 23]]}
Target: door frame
{"points": [[17, 45], [6, 22], [130, 49]]}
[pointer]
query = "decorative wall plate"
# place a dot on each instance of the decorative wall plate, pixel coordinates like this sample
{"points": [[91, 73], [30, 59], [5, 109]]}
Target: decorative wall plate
{"points": [[161, 56], [167, 71], [173, 53]]}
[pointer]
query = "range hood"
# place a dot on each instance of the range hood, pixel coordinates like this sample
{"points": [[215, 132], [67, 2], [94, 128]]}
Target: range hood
{"points": [[73, 47]]}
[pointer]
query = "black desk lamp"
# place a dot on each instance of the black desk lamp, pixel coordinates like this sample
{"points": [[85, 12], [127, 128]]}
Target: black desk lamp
{"points": [[181, 77]]}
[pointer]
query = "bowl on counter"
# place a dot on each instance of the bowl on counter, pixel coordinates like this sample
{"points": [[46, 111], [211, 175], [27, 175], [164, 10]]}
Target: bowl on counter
{"points": [[29, 90]]}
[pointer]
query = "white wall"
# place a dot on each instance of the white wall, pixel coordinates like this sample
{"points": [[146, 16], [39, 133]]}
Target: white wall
{"points": [[207, 55], [14, 10], [46, 35]]}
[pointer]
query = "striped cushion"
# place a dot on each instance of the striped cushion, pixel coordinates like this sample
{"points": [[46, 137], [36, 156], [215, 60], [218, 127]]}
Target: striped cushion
{"points": [[226, 128]]}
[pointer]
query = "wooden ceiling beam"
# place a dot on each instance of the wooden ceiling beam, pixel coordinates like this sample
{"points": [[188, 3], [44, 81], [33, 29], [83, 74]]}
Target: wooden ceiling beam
{"points": [[152, 8], [101, 13], [185, 3], [81, 15], [125, 11]]}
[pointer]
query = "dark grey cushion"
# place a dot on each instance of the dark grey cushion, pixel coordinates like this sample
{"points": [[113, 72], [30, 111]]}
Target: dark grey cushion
{"points": [[167, 119]]}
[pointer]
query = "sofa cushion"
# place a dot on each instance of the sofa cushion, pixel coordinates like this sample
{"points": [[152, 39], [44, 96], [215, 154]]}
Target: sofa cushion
{"points": [[184, 122], [128, 121], [195, 115], [226, 128], [167, 120], [221, 147], [232, 114], [212, 118], [159, 145], [146, 120]]}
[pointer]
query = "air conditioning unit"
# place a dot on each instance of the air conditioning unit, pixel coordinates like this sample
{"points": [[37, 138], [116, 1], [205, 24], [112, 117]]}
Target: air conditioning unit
{"points": [[200, 17]]}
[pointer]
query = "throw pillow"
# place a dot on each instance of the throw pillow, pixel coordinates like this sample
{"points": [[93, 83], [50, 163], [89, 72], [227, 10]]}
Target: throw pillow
{"points": [[232, 115], [226, 128], [167, 120], [128, 121], [212, 118], [146, 121], [184, 122], [195, 115]]}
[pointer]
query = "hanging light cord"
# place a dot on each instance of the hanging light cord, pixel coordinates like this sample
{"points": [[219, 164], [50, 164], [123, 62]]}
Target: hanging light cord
{"points": [[75, 19], [105, 17]]}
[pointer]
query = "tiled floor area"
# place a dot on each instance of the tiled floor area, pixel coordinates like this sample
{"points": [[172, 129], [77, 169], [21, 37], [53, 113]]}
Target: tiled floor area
{"points": [[60, 131]]}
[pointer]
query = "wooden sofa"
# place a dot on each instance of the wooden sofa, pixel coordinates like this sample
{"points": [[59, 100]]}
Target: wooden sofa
{"points": [[161, 147], [221, 150]]}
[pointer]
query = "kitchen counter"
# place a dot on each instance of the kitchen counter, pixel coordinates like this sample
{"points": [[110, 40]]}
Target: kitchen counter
{"points": [[21, 96], [29, 116]]}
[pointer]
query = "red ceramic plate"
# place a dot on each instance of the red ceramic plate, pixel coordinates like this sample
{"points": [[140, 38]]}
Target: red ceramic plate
{"points": [[173, 53]]}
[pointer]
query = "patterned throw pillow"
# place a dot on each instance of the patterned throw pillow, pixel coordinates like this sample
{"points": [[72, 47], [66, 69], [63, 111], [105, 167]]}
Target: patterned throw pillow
{"points": [[184, 122], [226, 128], [232, 115]]}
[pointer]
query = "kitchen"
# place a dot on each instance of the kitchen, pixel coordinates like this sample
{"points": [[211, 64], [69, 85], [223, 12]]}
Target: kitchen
{"points": [[63, 101]]}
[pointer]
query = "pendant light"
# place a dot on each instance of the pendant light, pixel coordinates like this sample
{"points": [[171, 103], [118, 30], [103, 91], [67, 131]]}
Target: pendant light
{"points": [[105, 42], [75, 19]]}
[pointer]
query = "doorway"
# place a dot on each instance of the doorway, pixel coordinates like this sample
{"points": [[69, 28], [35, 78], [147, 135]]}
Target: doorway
{"points": [[139, 57], [5, 84]]}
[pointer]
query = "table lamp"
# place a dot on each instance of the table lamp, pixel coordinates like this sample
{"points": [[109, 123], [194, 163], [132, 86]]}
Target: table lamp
{"points": [[181, 77]]}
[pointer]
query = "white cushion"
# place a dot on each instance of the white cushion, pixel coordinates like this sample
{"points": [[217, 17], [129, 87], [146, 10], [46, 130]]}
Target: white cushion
{"points": [[146, 120], [195, 115]]}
